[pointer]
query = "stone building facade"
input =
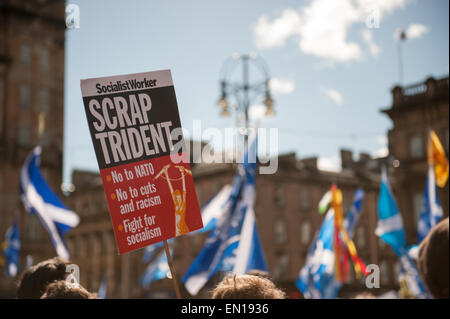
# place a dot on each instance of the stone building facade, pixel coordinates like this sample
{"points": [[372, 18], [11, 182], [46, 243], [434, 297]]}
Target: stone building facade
{"points": [[32, 37], [415, 110]]}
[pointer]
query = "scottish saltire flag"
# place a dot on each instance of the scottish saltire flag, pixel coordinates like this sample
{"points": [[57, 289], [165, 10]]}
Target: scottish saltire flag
{"points": [[39, 199], [431, 211], [214, 208], [156, 270], [409, 273], [149, 251], [103, 287], [249, 254], [12, 247], [317, 279], [390, 223], [223, 250], [390, 230]]}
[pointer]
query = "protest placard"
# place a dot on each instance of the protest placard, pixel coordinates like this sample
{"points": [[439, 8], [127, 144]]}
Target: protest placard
{"points": [[132, 119]]}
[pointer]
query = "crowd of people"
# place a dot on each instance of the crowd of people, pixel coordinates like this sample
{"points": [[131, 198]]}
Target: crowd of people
{"points": [[49, 279]]}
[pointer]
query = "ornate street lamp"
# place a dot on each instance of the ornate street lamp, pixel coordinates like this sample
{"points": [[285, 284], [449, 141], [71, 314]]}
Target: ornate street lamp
{"points": [[238, 91]]}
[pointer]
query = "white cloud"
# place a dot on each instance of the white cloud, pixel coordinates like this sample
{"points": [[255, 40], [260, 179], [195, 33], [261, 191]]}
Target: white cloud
{"points": [[383, 151], [281, 86], [331, 164], [322, 26], [367, 36], [275, 34], [416, 31], [335, 96]]}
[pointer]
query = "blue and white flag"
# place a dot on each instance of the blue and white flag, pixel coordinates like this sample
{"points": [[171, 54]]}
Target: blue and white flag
{"points": [[390, 230], [317, 279], [409, 273], [149, 251], [223, 250], [12, 247], [431, 211], [103, 287], [156, 270], [39, 199], [214, 208], [390, 223]]}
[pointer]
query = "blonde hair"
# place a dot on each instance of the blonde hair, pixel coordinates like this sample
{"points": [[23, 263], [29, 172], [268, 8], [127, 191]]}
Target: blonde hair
{"points": [[247, 287]]}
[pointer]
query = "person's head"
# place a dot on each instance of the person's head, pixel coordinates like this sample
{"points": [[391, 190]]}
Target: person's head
{"points": [[61, 289], [433, 260], [35, 279], [364, 295], [259, 273], [247, 287]]}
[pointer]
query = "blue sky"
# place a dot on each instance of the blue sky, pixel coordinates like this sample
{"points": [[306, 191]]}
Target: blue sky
{"points": [[331, 72]]}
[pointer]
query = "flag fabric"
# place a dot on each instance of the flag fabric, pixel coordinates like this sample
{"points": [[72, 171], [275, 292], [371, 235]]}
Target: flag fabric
{"points": [[437, 159], [317, 277], [390, 223], [410, 275], [12, 248], [214, 208], [431, 211], [341, 259], [149, 251], [390, 230], [249, 254], [38, 198], [156, 270], [228, 248], [325, 202], [103, 287]]}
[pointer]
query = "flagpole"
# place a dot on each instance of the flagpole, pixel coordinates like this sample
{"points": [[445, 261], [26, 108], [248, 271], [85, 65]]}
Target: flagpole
{"points": [[172, 270]]}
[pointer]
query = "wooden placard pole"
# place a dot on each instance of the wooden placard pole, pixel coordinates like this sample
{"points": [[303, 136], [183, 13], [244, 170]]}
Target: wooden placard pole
{"points": [[172, 270]]}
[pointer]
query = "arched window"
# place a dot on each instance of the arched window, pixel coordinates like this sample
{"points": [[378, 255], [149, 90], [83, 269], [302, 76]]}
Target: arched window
{"points": [[305, 232], [280, 233]]}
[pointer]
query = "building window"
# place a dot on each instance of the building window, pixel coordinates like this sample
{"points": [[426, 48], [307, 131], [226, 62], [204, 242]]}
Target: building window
{"points": [[361, 237], [417, 146], [305, 201], [280, 231], [33, 228], [385, 275], [24, 96], [44, 60], [305, 232], [282, 267], [23, 135], [43, 100], [25, 54], [417, 206], [279, 197]]}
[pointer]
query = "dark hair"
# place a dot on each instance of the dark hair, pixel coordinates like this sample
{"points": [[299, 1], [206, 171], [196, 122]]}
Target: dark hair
{"points": [[61, 289], [35, 279], [433, 260], [247, 287]]}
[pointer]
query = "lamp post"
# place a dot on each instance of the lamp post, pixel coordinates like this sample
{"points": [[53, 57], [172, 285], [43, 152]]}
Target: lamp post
{"points": [[238, 92]]}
